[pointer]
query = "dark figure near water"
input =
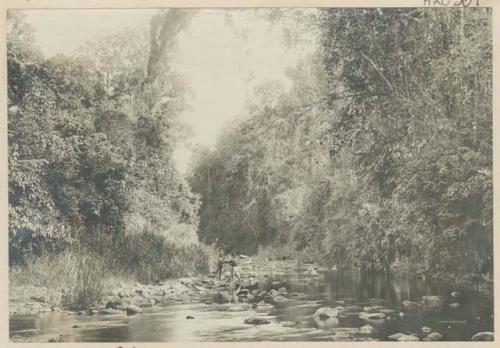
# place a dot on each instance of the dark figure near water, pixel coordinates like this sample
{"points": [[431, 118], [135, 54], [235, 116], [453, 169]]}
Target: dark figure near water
{"points": [[220, 264], [234, 268]]}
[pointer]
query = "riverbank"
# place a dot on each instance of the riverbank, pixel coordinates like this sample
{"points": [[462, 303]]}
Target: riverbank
{"points": [[279, 299], [123, 294]]}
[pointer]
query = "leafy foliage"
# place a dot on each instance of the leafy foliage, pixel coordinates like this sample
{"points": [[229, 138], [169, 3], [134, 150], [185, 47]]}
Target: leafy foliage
{"points": [[90, 143], [379, 156]]}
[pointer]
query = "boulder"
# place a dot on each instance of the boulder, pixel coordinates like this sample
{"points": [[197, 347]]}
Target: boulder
{"points": [[189, 317], [131, 310], [454, 305], [408, 338], [221, 297], [483, 336], [256, 321], [327, 312], [455, 294], [280, 299], [143, 302], [243, 293], [434, 336]]}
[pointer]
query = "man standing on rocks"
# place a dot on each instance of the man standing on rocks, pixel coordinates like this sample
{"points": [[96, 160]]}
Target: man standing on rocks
{"points": [[220, 264], [234, 268]]}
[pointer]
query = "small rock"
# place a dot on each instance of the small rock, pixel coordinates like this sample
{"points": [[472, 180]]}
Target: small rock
{"points": [[367, 329], [116, 304], [110, 311], [432, 301], [189, 317], [426, 329], [75, 326], [38, 298], [256, 321], [364, 315], [297, 295], [408, 338], [57, 339], [131, 310], [434, 336], [455, 294], [454, 305], [483, 336], [396, 336], [273, 293], [407, 303], [386, 310]]}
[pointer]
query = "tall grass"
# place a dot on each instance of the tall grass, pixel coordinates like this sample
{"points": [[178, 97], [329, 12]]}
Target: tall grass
{"points": [[77, 277], [150, 257], [73, 278]]}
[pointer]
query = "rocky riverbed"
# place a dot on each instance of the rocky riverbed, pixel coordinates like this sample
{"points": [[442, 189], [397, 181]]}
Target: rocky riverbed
{"points": [[280, 300]]}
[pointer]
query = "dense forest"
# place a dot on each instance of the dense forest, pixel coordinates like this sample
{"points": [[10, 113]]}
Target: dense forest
{"points": [[378, 157]]}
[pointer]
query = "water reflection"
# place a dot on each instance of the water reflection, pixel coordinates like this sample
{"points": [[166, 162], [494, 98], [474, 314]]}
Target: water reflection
{"points": [[291, 320]]}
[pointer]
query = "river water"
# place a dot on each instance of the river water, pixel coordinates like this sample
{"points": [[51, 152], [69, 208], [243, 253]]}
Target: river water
{"points": [[289, 321]]}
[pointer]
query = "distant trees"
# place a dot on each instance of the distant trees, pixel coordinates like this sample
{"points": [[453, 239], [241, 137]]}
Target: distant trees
{"points": [[380, 156]]}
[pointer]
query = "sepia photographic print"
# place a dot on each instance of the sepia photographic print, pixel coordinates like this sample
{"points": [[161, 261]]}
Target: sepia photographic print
{"points": [[244, 174]]}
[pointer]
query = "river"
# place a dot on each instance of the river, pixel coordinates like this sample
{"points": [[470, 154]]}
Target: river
{"points": [[289, 320]]}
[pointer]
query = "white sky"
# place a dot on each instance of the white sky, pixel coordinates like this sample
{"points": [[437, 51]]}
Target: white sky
{"points": [[221, 68]]}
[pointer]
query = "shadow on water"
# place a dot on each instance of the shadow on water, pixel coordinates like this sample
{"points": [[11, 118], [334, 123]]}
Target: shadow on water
{"points": [[289, 320]]}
